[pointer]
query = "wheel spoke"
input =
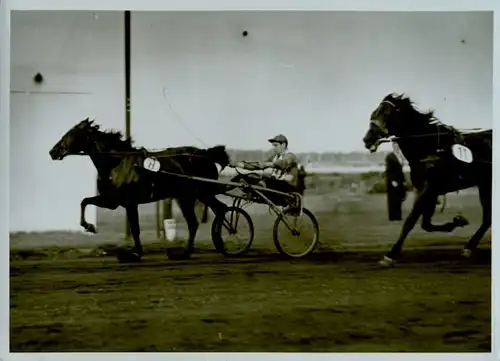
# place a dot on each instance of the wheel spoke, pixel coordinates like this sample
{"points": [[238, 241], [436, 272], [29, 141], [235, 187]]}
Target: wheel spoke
{"points": [[294, 227], [242, 233]]}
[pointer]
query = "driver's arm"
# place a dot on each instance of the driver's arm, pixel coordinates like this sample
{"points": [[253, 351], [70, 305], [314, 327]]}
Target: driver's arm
{"points": [[250, 165], [268, 163], [287, 162]]}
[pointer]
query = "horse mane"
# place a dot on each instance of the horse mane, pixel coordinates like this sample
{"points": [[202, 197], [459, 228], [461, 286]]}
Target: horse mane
{"points": [[425, 118], [114, 138], [125, 172], [427, 121], [408, 106]]}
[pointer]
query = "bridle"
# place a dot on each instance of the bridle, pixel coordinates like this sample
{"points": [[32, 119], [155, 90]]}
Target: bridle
{"points": [[376, 123], [92, 146]]}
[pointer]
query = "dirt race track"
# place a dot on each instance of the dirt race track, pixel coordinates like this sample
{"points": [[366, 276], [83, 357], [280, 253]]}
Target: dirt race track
{"points": [[338, 300]]}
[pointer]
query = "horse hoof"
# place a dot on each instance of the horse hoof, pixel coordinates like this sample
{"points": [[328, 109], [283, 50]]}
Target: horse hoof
{"points": [[125, 256], [466, 253], [386, 262], [460, 221], [178, 254], [91, 228], [135, 257]]}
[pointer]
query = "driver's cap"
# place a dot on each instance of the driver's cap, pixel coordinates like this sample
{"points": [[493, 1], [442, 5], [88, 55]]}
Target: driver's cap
{"points": [[280, 138]]}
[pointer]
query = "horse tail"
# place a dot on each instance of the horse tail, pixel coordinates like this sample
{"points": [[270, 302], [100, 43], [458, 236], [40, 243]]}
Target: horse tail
{"points": [[219, 155]]}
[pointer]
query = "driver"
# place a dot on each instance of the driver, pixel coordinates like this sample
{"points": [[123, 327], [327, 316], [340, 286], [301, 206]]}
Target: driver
{"points": [[286, 167]]}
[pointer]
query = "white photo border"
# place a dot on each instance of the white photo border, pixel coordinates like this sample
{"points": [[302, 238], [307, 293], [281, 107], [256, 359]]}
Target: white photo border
{"points": [[211, 5]]}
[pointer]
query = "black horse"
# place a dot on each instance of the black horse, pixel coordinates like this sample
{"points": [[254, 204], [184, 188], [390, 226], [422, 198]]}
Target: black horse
{"points": [[432, 150], [123, 181]]}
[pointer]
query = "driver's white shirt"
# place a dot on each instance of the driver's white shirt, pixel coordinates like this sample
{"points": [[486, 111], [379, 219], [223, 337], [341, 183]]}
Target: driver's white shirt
{"points": [[280, 174], [276, 173]]}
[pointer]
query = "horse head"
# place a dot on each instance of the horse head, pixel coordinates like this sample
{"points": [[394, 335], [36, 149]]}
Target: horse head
{"points": [[388, 120], [75, 141], [86, 138]]}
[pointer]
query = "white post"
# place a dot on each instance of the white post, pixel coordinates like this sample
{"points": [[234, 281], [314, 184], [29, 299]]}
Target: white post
{"points": [[169, 229]]}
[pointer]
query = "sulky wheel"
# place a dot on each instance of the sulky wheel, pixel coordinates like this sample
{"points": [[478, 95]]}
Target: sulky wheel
{"points": [[233, 232], [296, 235]]}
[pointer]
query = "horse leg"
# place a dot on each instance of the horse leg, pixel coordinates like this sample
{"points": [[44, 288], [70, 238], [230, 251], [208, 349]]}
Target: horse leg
{"points": [[135, 230], [428, 213], [485, 198], [215, 204], [98, 201], [187, 206], [408, 225]]}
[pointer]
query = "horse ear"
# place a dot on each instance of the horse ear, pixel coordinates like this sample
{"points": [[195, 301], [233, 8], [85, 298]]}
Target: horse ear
{"points": [[83, 123], [86, 122]]}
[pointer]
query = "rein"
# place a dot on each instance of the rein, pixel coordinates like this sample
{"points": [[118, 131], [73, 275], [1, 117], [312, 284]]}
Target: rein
{"points": [[137, 152], [397, 149]]}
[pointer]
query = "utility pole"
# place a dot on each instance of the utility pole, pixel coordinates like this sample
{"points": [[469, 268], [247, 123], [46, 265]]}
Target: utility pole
{"points": [[127, 96]]}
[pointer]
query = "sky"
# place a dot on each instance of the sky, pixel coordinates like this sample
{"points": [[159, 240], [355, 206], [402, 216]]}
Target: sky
{"points": [[314, 77]]}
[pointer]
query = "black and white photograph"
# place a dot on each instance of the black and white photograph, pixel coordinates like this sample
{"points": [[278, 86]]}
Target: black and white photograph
{"points": [[251, 181]]}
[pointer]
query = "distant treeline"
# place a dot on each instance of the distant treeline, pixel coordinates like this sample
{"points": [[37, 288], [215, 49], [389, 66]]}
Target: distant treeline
{"points": [[326, 158], [323, 183]]}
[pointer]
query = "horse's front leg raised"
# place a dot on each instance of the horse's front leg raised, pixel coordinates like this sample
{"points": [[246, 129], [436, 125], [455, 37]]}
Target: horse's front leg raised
{"points": [[98, 201], [409, 223]]}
